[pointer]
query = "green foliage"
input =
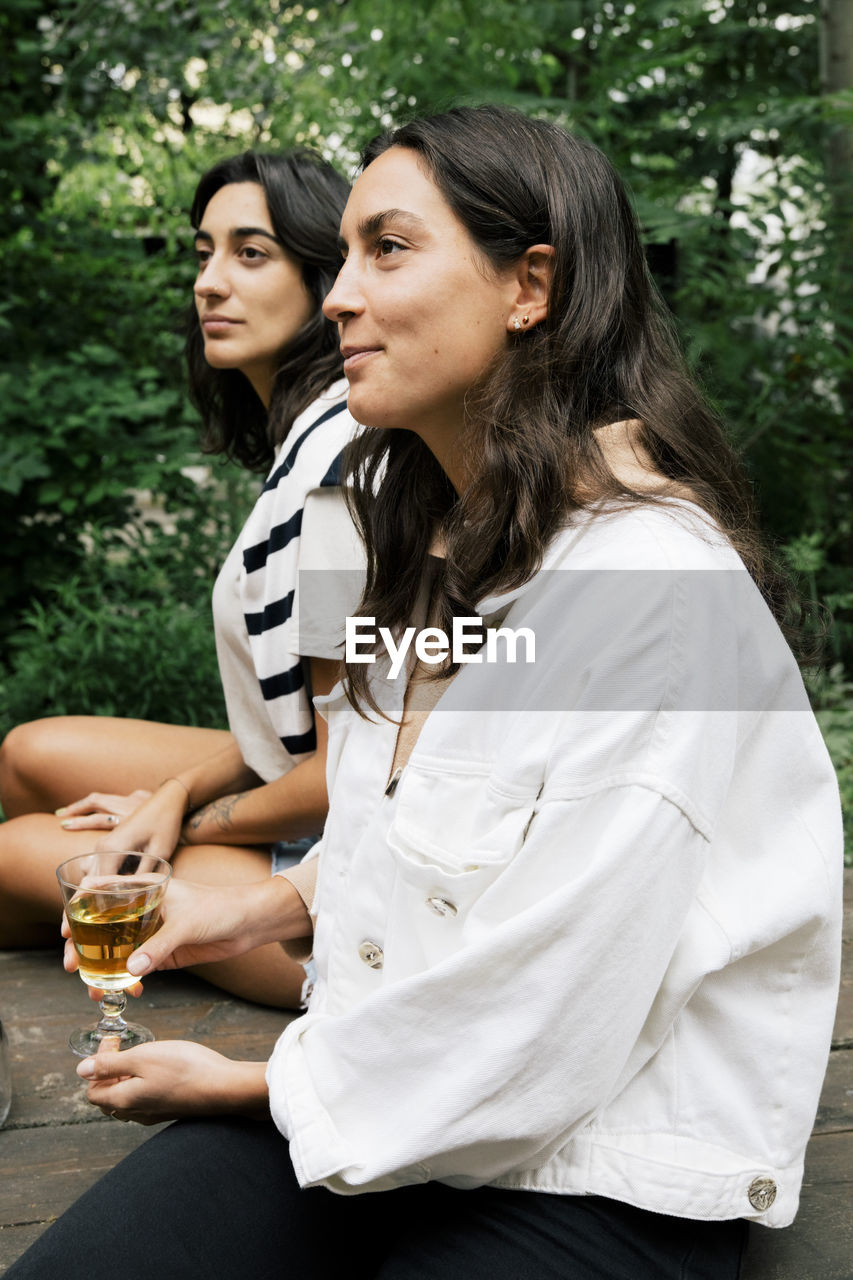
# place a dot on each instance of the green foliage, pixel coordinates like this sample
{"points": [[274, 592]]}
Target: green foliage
{"points": [[26, 97], [832, 698], [130, 632], [82, 434], [93, 405]]}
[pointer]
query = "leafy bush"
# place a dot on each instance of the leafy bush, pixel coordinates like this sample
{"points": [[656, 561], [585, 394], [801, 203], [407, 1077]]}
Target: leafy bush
{"points": [[130, 632], [86, 420], [831, 695]]}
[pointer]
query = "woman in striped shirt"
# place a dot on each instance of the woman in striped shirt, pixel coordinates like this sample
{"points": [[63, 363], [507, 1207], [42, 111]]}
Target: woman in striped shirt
{"points": [[265, 372]]}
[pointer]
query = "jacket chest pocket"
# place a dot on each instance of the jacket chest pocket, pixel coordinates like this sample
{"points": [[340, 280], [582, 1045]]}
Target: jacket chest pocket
{"points": [[453, 833]]}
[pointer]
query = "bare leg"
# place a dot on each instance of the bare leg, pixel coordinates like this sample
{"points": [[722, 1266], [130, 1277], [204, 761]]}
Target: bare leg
{"points": [[32, 847], [48, 763], [51, 762]]}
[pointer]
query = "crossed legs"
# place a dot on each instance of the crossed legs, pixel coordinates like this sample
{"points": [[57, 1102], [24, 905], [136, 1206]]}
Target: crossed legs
{"points": [[49, 763]]}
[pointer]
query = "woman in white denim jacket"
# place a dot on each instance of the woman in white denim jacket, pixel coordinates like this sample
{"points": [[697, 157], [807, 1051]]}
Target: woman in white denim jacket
{"points": [[577, 901]]}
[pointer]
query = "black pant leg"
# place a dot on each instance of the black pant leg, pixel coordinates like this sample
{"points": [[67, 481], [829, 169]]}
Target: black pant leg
{"points": [[202, 1199], [491, 1234], [218, 1198]]}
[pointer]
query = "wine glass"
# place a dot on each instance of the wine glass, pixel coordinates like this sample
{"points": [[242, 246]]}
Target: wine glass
{"points": [[112, 904]]}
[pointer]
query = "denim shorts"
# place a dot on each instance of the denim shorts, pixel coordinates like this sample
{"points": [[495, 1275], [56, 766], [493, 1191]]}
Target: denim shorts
{"points": [[286, 853]]}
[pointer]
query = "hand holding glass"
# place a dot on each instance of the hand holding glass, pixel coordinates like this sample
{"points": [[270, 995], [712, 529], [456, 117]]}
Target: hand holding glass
{"points": [[112, 904]]}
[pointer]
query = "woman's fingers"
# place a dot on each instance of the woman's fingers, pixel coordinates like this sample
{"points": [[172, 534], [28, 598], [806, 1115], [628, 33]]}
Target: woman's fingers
{"points": [[154, 826], [94, 802], [106, 1070], [95, 993], [154, 1082], [107, 1064], [156, 951], [199, 924], [99, 811], [91, 822]]}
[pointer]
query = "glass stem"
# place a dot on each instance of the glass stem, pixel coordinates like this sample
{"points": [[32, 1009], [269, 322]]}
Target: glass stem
{"points": [[112, 1006]]}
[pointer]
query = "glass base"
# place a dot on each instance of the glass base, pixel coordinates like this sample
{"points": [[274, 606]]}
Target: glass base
{"points": [[87, 1040]]}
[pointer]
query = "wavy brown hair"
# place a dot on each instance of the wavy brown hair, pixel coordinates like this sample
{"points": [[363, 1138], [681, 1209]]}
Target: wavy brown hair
{"points": [[305, 199], [606, 351]]}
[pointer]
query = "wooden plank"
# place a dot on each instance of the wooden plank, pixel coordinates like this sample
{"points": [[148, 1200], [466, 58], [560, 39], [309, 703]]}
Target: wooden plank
{"points": [[56, 1144], [819, 1245], [843, 1034], [835, 1113], [15, 1240], [41, 1006], [34, 981], [43, 1171], [47, 1090]]}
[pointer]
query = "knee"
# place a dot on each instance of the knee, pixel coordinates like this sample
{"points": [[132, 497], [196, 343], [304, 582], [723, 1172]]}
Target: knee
{"points": [[12, 752], [8, 833], [24, 757], [16, 851]]}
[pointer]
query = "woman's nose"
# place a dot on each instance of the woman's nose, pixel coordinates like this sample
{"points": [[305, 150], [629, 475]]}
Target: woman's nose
{"points": [[345, 297], [211, 280]]}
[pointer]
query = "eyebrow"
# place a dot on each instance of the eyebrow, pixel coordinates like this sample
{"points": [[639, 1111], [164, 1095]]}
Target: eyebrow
{"points": [[371, 226], [240, 233]]}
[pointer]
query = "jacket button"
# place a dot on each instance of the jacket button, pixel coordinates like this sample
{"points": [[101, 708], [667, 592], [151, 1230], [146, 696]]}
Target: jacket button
{"points": [[761, 1193], [371, 954], [441, 907]]}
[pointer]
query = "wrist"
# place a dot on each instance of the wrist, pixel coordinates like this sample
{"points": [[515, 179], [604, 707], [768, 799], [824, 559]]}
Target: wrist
{"points": [[188, 804], [275, 912], [245, 1089]]}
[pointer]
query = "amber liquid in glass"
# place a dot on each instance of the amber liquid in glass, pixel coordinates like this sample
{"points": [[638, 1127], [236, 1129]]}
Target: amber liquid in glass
{"points": [[105, 933]]}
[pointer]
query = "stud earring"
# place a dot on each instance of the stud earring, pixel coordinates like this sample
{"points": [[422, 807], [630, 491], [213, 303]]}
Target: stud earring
{"points": [[516, 323], [525, 319]]}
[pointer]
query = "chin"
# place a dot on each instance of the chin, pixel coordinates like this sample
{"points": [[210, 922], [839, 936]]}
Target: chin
{"points": [[220, 360], [368, 413]]}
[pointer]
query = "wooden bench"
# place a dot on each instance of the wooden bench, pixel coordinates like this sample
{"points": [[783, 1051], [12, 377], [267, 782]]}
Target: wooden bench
{"points": [[55, 1144]]}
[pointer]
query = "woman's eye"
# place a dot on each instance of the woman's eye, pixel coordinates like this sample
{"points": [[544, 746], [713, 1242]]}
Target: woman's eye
{"points": [[251, 254], [202, 258], [386, 247]]}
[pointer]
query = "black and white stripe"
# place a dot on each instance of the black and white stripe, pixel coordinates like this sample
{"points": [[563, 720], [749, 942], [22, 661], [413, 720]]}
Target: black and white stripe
{"points": [[309, 459]]}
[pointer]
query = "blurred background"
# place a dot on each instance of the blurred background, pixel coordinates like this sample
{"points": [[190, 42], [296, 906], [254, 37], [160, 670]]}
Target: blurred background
{"points": [[731, 120]]}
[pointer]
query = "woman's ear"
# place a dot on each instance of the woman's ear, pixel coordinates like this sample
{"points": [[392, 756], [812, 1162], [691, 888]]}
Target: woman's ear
{"points": [[533, 274]]}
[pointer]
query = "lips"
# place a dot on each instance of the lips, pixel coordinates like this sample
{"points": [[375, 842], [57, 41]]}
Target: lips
{"points": [[355, 356], [215, 323]]}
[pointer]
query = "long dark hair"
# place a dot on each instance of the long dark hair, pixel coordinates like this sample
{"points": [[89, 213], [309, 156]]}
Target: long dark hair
{"points": [[305, 199], [605, 352]]}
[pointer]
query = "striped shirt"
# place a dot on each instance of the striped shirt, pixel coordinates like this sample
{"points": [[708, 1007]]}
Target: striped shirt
{"points": [[263, 674]]}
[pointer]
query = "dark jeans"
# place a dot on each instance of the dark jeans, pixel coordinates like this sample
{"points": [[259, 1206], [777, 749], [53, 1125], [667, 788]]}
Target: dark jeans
{"points": [[216, 1199]]}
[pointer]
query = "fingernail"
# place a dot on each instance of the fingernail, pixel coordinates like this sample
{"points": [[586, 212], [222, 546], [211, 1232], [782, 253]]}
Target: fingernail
{"points": [[138, 964], [59, 812], [86, 1068]]}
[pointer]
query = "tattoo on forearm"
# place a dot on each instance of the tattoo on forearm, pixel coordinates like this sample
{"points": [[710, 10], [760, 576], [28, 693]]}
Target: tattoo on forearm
{"points": [[219, 811]]}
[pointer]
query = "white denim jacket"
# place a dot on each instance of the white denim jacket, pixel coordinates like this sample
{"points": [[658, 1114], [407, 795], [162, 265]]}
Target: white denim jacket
{"points": [[589, 944]]}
